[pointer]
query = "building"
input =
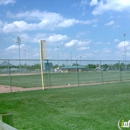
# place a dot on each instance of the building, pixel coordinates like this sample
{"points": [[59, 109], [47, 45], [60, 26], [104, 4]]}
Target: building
{"points": [[5, 64], [73, 68], [48, 66]]}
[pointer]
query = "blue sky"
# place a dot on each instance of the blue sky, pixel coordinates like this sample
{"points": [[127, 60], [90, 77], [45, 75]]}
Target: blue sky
{"points": [[90, 29]]}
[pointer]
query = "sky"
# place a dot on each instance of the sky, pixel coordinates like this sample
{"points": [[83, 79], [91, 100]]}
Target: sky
{"points": [[73, 29]]}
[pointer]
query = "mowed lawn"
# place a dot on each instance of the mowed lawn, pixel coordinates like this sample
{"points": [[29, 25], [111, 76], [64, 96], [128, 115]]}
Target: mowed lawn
{"points": [[81, 108], [57, 79]]}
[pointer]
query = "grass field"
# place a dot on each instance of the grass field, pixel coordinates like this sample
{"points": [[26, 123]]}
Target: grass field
{"points": [[80, 108], [57, 79]]}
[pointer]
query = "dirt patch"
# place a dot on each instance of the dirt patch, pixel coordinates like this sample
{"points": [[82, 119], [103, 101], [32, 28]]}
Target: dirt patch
{"points": [[7, 89]]}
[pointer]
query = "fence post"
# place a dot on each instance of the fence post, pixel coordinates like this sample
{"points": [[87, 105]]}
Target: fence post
{"points": [[77, 73], [101, 72], [120, 76], [48, 74], [9, 77]]}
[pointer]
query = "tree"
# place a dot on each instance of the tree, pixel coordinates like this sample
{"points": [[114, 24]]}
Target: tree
{"points": [[63, 65], [105, 66], [55, 66], [91, 66]]}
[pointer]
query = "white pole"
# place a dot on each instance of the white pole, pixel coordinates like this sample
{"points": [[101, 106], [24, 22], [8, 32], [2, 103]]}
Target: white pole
{"points": [[58, 55], [41, 62], [124, 47], [19, 42]]}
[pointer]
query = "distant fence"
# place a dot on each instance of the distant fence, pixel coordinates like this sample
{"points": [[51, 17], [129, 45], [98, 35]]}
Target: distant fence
{"points": [[62, 73]]}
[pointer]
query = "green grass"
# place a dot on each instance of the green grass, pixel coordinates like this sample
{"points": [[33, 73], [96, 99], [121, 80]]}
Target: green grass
{"points": [[81, 108], [56, 79]]}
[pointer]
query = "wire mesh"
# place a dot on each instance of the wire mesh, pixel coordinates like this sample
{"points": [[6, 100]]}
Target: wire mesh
{"points": [[61, 73]]}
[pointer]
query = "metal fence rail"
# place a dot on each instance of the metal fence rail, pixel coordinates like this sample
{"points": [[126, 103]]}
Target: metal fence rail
{"points": [[61, 73]]}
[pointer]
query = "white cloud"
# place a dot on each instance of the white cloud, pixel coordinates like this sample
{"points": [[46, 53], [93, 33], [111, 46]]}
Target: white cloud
{"points": [[83, 2], [37, 15], [18, 26], [110, 23], [40, 36], [90, 55], [1, 25], [116, 26], [116, 40], [113, 5], [80, 43], [88, 21], [34, 38], [106, 50], [77, 42], [68, 23], [123, 45], [71, 43], [56, 38], [80, 34], [83, 48], [44, 20], [5, 2], [93, 2], [14, 47]]}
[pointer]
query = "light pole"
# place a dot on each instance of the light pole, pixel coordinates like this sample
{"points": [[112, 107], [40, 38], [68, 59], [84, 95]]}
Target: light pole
{"points": [[80, 60], [124, 49], [123, 58], [19, 42], [58, 55]]}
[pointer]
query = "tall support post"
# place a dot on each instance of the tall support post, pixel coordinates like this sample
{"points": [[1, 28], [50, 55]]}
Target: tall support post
{"points": [[48, 71], [80, 60], [41, 62], [19, 42], [58, 55], [124, 48], [9, 77]]}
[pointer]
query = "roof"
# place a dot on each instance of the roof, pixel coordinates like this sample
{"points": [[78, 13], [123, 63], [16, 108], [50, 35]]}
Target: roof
{"points": [[5, 63], [73, 67]]}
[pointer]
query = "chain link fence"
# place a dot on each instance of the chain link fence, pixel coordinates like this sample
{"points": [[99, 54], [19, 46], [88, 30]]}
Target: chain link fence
{"points": [[26, 74]]}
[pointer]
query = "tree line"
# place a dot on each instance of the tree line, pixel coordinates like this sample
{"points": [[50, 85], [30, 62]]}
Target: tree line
{"points": [[89, 66]]}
